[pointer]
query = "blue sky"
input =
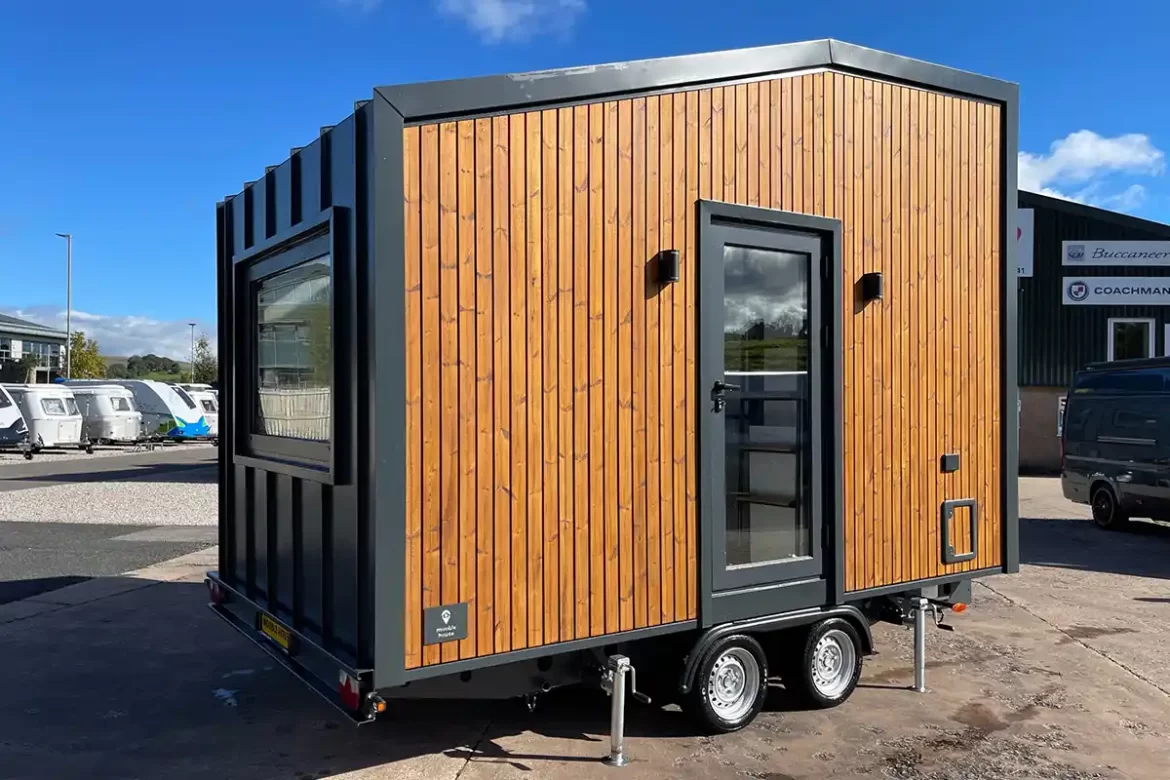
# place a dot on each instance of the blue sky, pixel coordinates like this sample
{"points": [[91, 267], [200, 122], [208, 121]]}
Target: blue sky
{"points": [[125, 122]]}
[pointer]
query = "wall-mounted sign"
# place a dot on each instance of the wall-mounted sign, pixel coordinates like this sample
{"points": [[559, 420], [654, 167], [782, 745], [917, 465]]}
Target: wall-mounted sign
{"points": [[1116, 290], [1025, 222], [1115, 252]]}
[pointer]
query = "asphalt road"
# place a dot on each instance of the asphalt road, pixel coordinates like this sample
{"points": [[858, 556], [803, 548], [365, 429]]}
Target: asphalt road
{"points": [[48, 469], [40, 557]]}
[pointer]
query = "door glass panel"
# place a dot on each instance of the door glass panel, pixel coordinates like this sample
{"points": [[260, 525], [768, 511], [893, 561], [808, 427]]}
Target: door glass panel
{"points": [[1131, 339], [767, 425]]}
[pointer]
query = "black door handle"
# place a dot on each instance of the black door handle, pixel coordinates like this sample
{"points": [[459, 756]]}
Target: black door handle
{"points": [[717, 391]]}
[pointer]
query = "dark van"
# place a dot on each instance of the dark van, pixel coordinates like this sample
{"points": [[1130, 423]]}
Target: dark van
{"points": [[1116, 441]]}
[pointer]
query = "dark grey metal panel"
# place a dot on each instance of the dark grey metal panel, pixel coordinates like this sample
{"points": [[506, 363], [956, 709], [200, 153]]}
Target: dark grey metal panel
{"points": [[291, 542], [615, 640], [439, 100], [1056, 340], [284, 521], [767, 600], [386, 390], [909, 588], [1009, 389], [312, 558]]}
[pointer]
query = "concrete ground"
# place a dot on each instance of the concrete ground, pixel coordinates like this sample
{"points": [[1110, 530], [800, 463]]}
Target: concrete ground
{"points": [[1058, 673], [65, 521]]}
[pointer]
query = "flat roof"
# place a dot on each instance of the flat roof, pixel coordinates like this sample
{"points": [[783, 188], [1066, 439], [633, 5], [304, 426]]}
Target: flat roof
{"points": [[1028, 199]]}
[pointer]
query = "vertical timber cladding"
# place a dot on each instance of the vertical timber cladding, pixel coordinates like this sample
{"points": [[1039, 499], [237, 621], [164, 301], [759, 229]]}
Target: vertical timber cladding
{"points": [[550, 432]]}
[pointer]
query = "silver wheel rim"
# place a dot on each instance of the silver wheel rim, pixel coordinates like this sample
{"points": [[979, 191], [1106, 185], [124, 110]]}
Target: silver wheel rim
{"points": [[734, 684], [832, 664]]}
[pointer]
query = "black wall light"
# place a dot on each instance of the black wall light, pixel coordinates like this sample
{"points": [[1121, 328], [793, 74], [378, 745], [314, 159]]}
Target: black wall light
{"points": [[668, 263], [871, 286]]}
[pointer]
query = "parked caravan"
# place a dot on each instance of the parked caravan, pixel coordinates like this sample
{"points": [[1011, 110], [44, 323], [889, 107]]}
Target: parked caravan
{"points": [[108, 413], [167, 412], [210, 404], [695, 366], [13, 431], [51, 414], [1116, 440]]}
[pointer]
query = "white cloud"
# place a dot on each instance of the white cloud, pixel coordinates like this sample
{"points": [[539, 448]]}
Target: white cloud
{"points": [[497, 20], [125, 335], [1079, 166]]}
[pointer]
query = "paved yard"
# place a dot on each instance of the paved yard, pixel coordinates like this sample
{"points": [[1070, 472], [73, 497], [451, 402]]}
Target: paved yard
{"points": [[1059, 673]]}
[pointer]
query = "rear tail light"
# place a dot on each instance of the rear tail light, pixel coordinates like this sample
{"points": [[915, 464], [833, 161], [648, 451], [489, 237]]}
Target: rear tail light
{"points": [[217, 592], [958, 607], [349, 690]]}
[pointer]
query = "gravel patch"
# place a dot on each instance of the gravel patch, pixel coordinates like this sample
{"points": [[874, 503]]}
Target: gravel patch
{"points": [[136, 502], [56, 456]]}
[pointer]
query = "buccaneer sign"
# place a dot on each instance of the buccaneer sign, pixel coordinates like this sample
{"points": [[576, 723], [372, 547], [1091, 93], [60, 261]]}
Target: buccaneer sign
{"points": [[1116, 252], [1117, 290]]}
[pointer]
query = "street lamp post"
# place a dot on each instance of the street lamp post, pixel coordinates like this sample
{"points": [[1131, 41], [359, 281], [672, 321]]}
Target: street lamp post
{"points": [[68, 303], [192, 324]]}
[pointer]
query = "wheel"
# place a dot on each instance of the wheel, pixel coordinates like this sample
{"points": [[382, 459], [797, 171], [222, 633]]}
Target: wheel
{"points": [[1107, 512], [28, 454], [825, 670], [730, 685]]}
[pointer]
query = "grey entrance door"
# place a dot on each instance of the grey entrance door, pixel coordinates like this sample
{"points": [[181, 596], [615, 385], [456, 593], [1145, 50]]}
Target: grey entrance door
{"points": [[762, 348]]}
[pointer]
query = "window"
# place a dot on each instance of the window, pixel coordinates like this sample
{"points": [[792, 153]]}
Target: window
{"points": [[71, 405], [120, 404], [183, 396], [1130, 338], [49, 354], [294, 352], [4, 402], [208, 405], [54, 407], [5, 349]]}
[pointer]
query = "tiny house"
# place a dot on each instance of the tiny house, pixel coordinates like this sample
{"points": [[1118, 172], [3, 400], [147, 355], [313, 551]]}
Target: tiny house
{"points": [[108, 413], [705, 363]]}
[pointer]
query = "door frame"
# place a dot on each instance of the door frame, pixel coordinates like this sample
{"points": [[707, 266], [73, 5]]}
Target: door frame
{"points": [[829, 587]]}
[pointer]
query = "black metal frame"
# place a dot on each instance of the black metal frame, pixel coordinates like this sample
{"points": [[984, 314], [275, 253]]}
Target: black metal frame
{"points": [[379, 235], [312, 239]]}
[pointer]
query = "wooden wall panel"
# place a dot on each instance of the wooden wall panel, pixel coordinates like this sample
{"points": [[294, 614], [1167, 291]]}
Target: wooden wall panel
{"points": [[551, 441]]}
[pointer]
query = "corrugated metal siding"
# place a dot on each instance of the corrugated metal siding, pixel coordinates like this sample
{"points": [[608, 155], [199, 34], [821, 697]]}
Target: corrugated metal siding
{"points": [[300, 548], [1055, 340]]}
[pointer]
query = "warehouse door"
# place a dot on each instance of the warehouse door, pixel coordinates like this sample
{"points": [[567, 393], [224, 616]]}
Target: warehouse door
{"points": [[761, 360]]}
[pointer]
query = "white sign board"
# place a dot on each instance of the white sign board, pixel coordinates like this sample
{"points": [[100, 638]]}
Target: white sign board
{"points": [[1116, 290], [1025, 222], [1115, 252]]}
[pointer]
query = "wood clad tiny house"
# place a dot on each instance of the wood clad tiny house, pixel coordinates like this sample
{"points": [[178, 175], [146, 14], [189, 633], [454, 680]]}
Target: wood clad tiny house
{"points": [[523, 366]]}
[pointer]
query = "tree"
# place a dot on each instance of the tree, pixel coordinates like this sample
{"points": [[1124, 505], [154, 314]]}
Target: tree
{"points": [[205, 368], [117, 371], [27, 366], [85, 361]]}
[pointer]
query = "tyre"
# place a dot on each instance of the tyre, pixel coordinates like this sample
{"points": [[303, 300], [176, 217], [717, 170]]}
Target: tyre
{"points": [[1107, 511], [824, 670], [730, 685]]}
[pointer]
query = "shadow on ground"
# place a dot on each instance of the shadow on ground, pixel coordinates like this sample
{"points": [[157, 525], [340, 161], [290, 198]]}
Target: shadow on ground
{"points": [[160, 687], [1142, 549], [190, 473]]}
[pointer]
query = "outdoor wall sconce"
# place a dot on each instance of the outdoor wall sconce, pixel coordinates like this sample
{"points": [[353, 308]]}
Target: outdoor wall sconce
{"points": [[871, 286], [668, 263]]}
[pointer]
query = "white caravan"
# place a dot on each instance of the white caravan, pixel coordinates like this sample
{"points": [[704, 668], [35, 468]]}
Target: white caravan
{"points": [[51, 414], [207, 399], [108, 413], [167, 412], [13, 431]]}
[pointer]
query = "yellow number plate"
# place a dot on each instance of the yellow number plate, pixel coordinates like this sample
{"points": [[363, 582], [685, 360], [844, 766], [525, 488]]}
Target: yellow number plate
{"points": [[275, 631]]}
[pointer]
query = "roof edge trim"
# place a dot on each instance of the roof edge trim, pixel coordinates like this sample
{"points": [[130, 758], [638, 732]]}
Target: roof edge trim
{"points": [[438, 100]]}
